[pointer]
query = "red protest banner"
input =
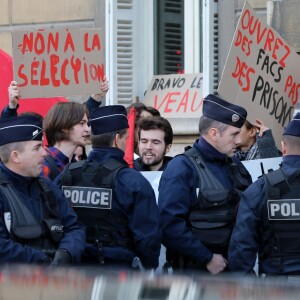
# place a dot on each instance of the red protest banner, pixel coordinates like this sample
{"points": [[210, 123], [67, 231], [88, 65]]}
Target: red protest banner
{"points": [[58, 62], [261, 73], [129, 150], [176, 95]]}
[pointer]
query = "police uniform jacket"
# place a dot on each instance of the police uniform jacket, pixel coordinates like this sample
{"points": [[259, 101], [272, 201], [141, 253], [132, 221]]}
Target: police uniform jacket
{"points": [[133, 199], [139, 166], [244, 244], [26, 188], [178, 193]]}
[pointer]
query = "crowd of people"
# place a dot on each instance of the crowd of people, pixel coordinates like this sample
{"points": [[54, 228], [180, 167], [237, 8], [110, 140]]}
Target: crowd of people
{"points": [[60, 205]]}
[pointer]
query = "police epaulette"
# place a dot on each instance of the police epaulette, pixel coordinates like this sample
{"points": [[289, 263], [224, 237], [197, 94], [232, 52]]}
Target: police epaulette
{"points": [[113, 164], [275, 177], [77, 164]]}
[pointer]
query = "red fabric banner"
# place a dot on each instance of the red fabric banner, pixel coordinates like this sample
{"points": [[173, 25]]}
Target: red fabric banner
{"points": [[129, 151]]}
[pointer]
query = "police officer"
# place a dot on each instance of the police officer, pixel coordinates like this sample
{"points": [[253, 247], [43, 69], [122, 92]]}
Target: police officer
{"points": [[268, 220], [36, 223], [116, 203], [199, 191]]}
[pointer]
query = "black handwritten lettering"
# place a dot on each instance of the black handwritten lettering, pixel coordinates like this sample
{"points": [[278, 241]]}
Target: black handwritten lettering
{"points": [[270, 99]]}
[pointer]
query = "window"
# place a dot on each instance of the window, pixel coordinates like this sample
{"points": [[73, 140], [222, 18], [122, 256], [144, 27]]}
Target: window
{"points": [[169, 33]]}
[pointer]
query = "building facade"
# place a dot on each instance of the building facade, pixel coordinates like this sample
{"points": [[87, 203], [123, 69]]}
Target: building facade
{"points": [[149, 37]]}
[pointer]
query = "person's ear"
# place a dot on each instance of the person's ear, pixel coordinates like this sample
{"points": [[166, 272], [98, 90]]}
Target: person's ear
{"points": [[117, 140], [283, 148], [253, 131], [15, 156], [213, 134], [168, 148]]}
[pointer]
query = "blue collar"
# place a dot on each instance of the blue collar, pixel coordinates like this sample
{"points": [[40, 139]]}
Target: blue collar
{"points": [[210, 152], [104, 153], [16, 178]]}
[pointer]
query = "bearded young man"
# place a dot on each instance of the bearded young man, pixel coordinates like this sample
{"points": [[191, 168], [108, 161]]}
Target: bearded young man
{"points": [[155, 141]]}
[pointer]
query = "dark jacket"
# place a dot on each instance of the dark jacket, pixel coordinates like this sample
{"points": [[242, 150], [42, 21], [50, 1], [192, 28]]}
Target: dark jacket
{"points": [[13, 252], [9, 112], [178, 194], [133, 199], [244, 244]]}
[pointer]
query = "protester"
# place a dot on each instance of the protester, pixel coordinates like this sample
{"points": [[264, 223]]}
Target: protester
{"points": [[155, 141], [268, 221], [36, 223], [142, 111], [200, 190], [66, 128], [119, 206], [256, 142]]}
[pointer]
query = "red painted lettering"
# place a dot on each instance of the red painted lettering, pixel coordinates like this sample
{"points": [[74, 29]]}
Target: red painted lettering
{"points": [[95, 42], [269, 40], [85, 70], [170, 101], [291, 87], [158, 106], [76, 66], [244, 42], [22, 76], [63, 72], [54, 60], [27, 43], [39, 44], [242, 73], [53, 42], [69, 43], [44, 79], [260, 35], [287, 53], [33, 72], [193, 109], [184, 101]]}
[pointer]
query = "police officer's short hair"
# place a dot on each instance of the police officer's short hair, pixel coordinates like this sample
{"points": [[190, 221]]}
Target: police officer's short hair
{"points": [[292, 141], [206, 123], [152, 123], [62, 116], [106, 139], [5, 150]]}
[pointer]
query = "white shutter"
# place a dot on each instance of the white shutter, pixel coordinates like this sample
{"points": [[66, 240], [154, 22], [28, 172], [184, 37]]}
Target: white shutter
{"points": [[210, 46], [122, 56]]}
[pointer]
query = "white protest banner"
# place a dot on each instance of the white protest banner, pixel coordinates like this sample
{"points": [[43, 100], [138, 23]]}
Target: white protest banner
{"points": [[262, 73], [176, 95], [258, 167], [58, 62]]}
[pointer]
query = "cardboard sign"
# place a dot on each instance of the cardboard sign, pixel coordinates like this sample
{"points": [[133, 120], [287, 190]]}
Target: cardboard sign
{"points": [[38, 105], [60, 62], [262, 73], [176, 95]]}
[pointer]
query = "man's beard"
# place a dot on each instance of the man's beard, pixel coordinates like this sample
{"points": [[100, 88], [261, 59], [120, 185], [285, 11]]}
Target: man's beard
{"points": [[155, 162]]}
